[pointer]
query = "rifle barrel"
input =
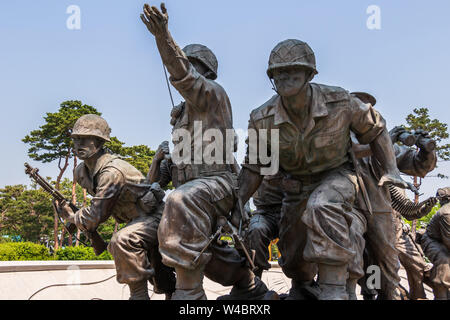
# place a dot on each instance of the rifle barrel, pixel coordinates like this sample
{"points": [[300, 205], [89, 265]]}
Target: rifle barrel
{"points": [[33, 173]]}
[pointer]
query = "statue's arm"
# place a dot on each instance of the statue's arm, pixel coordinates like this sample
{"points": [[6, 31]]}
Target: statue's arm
{"points": [[109, 185], [370, 128], [173, 57], [159, 168], [413, 162]]}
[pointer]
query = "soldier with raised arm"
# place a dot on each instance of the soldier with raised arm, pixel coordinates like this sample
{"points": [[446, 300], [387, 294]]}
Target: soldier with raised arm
{"points": [[382, 239], [314, 123], [118, 191], [414, 161], [205, 191]]}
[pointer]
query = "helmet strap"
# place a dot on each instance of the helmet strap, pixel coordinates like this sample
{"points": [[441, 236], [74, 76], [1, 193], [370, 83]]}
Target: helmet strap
{"points": [[274, 88]]}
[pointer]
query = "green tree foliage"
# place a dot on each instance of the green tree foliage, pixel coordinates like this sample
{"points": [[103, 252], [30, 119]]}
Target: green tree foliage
{"points": [[420, 119], [66, 190], [107, 228], [26, 214], [13, 251], [139, 156], [27, 251], [52, 140], [81, 253]]}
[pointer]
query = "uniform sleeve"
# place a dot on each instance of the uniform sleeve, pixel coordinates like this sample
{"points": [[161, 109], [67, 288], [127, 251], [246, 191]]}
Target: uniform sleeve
{"points": [[413, 162], [108, 189], [200, 92], [367, 123]]}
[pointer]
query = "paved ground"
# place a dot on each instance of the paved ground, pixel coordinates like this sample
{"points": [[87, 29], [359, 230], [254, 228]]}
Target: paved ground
{"points": [[20, 280]]}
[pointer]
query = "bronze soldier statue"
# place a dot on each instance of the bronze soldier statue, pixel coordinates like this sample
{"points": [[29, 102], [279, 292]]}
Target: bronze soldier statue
{"points": [[380, 233], [436, 246], [410, 253], [414, 163], [314, 123], [117, 190], [205, 192]]}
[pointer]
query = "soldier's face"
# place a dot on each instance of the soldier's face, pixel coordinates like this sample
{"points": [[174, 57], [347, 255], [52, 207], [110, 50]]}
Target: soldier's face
{"points": [[85, 147], [289, 82]]}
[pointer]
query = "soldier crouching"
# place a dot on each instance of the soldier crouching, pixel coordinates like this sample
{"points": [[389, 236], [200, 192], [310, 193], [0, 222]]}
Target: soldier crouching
{"points": [[436, 246], [319, 225], [117, 190]]}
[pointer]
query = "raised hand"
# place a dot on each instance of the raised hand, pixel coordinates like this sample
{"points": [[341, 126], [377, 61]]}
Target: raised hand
{"points": [[162, 151], [396, 132], [155, 20], [429, 204], [64, 210], [423, 133]]}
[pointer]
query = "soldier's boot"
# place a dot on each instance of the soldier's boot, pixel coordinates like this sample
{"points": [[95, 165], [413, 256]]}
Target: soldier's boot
{"points": [[189, 285], [303, 290], [250, 288], [351, 289], [367, 294], [139, 290], [157, 290], [391, 292], [332, 282]]}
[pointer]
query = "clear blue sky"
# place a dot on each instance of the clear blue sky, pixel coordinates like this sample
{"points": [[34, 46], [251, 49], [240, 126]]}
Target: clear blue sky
{"points": [[112, 63]]}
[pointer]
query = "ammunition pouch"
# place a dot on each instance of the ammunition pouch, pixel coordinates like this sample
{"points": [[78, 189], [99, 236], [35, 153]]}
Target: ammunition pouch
{"points": [[147, 198]]}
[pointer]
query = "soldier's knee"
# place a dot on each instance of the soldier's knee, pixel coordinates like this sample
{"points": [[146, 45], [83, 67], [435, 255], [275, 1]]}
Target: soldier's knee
{"points": [[316, 207], [257, 229], [119, 241], [322, 204]]}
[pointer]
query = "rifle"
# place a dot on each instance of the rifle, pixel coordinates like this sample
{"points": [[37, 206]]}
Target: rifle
{"points": [[239, 244], [227, 227], [97, 242]]}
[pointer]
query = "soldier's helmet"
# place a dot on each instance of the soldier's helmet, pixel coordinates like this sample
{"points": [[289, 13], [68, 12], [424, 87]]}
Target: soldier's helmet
{"points": [[91, 125], [443, 192], [365, 97], [289, 53], [204, 55]]}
